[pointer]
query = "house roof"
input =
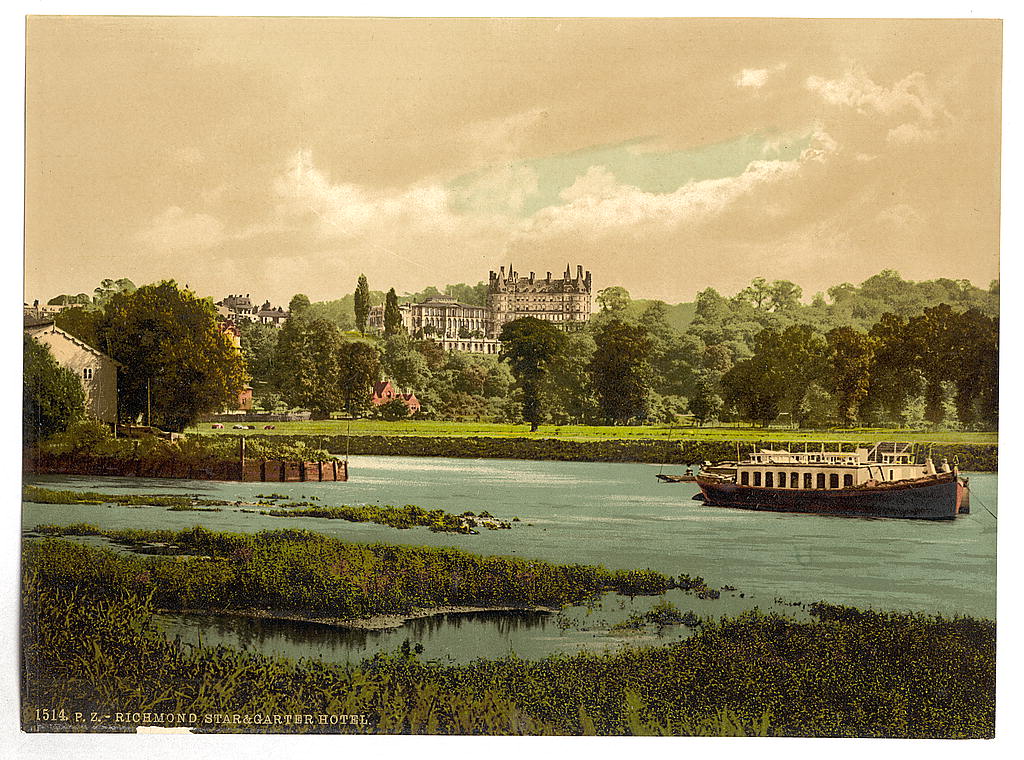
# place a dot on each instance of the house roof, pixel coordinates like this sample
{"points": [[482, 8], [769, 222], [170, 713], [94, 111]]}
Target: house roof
{"points": [[47, 326], [379, 387], [31, 321]]}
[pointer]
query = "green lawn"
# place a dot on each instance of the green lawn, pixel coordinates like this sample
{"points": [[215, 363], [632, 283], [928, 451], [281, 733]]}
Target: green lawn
{"points": [[595, 432]]}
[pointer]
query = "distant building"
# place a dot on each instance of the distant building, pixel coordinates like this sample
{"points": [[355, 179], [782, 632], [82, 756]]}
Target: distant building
{"points": [[42, 310], [239, 308], [566, 302], [95, 370], [245, 399], [385, 391], [271, 315], [475, 329]]}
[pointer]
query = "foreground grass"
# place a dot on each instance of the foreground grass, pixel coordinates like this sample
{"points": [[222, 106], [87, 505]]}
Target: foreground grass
{"points": [[315, 575], [595, 432], [848, 673]]}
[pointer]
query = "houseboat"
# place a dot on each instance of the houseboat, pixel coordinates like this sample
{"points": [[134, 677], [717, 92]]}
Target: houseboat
{"points": [[884, 481]]}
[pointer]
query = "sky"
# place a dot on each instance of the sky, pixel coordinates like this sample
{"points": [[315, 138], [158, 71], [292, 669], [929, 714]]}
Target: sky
{"points": [[277, 156]]}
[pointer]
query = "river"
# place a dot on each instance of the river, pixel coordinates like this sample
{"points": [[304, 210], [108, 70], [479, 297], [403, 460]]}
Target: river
{"points": [[618, 515]]}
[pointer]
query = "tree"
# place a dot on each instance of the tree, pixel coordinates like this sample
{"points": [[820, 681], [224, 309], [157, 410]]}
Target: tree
{"points": [[52, 397], [80, 322], [758, 294], [358, 364], [755, 389], [109, 288], [362, 303], [392, 314], [305, 366], [395, 409], [614, 299], [299, 306], [268, 401], [175, 360], [82, 299], [976, 363], [401, 362], [783, 295], [259, 346], [776, 377], [471, 294], [934, 340], [620, 371], [567, 386], [530, 345], [895, 377], [850, 356], [705, 404]]}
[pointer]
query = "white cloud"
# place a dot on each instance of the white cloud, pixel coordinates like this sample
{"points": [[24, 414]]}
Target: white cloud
{"points": [[857, 90], [597, 201], [346, 211], [756, 78]]}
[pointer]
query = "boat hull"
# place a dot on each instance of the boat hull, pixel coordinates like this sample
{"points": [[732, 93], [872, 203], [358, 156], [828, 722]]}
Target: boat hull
{"points": [[933, 498]]}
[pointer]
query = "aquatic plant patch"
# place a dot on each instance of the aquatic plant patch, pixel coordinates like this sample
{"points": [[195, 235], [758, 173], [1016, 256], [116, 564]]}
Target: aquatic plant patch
{"points": [[846, 673]]}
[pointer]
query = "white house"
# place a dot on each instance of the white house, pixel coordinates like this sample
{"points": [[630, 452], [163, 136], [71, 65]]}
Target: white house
{"points": [[96, 371]]}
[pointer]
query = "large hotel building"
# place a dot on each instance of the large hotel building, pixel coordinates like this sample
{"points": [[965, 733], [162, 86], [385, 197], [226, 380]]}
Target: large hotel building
{"points": [[468, 327]]}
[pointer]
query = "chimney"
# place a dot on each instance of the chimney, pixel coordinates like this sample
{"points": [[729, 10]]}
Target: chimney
{"points": [[549, 278], [531, 278], [503, 273], [579, 272]]}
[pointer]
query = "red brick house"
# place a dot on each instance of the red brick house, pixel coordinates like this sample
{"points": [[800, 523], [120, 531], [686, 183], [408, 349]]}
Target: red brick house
{"points": [[385, 391], [245, 399]]}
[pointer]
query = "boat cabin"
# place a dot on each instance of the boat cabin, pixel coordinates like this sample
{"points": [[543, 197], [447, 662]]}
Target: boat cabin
{"points": [[827, 470]]}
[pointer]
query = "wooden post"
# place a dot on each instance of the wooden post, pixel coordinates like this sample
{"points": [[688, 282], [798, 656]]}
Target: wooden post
{"points": [[241, 457]]}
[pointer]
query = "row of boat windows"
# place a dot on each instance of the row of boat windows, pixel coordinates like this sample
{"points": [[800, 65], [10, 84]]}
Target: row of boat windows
{"points": [[810, 480]]}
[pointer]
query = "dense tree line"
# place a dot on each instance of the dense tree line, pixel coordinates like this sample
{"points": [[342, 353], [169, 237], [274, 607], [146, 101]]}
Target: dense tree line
{"points": [[887, 352]]}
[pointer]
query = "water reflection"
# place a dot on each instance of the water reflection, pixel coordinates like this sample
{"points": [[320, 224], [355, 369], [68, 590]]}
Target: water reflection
{"points": [[440, 635]]}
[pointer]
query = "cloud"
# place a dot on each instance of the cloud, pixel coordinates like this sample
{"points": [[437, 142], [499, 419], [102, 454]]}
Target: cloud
{"points": [[502, 190], [855, 89], [912, 134], [756, 78], [346, 211], [598, 202]]}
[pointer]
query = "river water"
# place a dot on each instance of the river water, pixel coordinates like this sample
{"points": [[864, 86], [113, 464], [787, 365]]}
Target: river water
{"points": [[618, 515]]}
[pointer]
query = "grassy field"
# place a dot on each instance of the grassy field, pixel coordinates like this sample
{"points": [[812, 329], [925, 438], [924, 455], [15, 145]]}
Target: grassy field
{"points": [[596, 432]]}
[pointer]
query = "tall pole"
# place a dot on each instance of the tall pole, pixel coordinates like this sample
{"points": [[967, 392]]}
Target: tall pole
{"points": [[149, 407]]}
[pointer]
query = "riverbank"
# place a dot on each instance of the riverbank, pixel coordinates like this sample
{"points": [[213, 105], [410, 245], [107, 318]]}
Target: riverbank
{"points": [[976, 457], [728, 433]]}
